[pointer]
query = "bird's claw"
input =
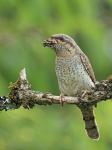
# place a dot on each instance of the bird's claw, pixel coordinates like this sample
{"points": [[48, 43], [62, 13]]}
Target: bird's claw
{"points": [[62, 99], [84, 93]]}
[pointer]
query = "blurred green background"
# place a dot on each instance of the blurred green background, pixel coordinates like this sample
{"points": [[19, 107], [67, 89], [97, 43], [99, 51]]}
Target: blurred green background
{"points": [[23, 26]]}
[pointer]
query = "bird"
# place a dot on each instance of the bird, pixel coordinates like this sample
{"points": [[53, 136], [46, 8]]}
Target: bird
{"points": [[75, 74]]}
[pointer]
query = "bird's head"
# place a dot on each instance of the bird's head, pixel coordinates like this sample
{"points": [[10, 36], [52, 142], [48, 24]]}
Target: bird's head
{"points": [[63, 45]]}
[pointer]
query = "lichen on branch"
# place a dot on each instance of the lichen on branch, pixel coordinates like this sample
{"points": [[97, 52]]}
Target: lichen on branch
{"points": [[21, 94]]}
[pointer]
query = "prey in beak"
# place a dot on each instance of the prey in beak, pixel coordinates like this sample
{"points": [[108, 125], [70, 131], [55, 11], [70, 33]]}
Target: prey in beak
{"points": [[46, 43], [49, 43]]}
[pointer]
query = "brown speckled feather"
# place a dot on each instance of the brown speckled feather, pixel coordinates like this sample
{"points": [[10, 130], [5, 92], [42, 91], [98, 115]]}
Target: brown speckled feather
{"points": [[75, 74], [87, 66]]}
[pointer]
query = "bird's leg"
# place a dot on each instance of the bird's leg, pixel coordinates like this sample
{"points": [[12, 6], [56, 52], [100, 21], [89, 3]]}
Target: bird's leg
{"points": [[83, 93], [62, 99], [82, 96]]}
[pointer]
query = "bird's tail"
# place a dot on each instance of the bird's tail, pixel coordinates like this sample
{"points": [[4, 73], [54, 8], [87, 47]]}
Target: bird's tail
{"points": [[90, 123]]}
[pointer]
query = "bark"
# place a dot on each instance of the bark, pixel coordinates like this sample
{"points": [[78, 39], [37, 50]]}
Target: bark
{"points": [[21, 94]]}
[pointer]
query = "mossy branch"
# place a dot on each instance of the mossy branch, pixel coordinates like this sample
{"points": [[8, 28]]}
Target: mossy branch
{"points": [[21, 94]]}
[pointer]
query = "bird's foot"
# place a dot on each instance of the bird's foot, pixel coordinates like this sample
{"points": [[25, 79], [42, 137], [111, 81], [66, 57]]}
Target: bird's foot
{"points": [[82, 98], [84, 93], [62, 99]]}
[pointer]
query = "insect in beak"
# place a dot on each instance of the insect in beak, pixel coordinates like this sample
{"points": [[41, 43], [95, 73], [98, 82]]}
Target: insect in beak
{"points": [[49, 42]]}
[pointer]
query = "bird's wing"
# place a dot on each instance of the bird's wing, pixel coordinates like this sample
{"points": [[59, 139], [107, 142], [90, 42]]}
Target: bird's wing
{"points": [[86, 63]]}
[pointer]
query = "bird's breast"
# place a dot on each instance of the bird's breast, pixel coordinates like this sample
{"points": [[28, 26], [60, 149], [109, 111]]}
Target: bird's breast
{"points": [[72, 78]]}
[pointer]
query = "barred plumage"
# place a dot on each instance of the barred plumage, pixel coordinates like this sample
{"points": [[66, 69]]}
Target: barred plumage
{"points": [[75, 74]]}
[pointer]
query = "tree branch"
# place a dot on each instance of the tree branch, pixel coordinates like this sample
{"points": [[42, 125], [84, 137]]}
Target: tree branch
{"points": [[21, 94]]}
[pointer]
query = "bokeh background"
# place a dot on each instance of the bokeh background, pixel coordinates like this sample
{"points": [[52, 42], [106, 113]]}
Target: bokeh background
{"points": [[23, 26]]}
